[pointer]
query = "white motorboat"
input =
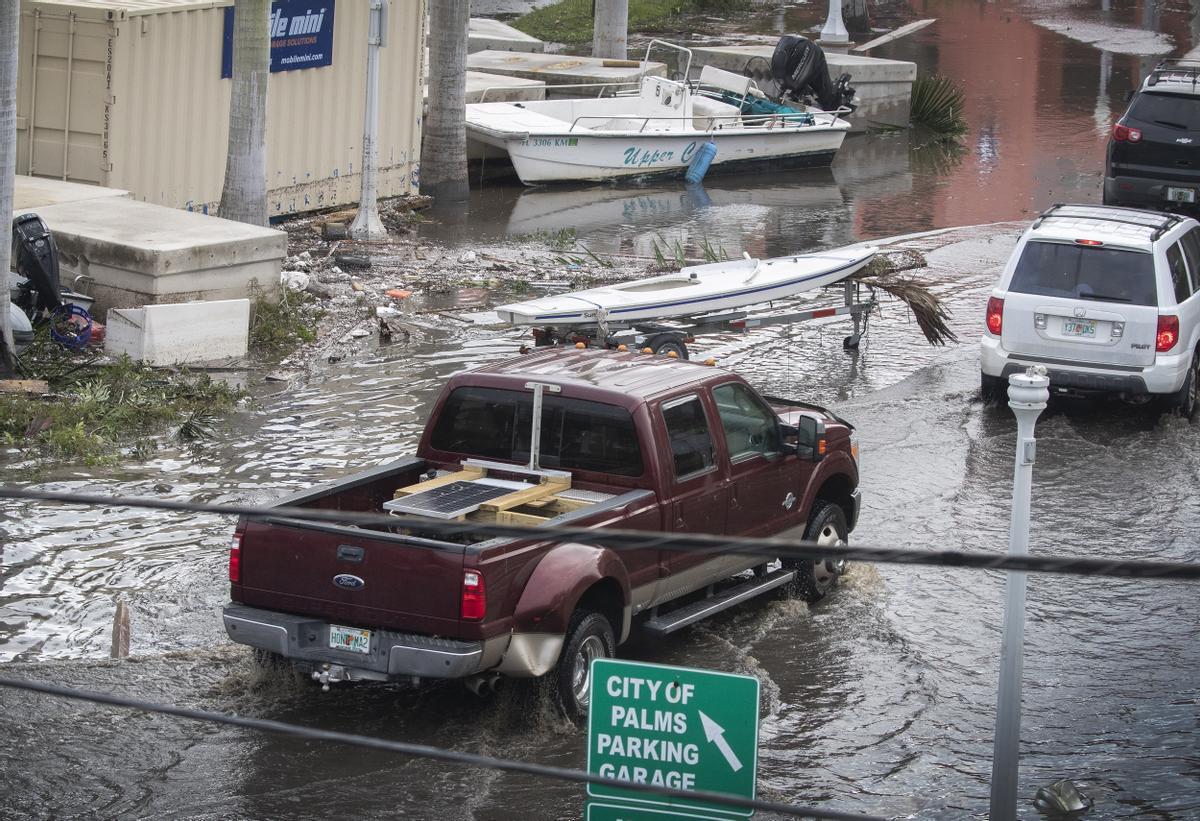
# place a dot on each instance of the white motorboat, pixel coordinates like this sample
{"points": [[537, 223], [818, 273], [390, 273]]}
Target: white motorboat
{"points": [[659, 131], [695, 290]]}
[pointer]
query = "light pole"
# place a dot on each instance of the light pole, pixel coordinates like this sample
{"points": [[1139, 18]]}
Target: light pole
{"points": [[367, 224], [834, 30], [1027, 396]]}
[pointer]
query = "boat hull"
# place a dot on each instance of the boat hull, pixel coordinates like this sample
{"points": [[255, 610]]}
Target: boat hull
{"points": [[696, 290], [580, 157]]}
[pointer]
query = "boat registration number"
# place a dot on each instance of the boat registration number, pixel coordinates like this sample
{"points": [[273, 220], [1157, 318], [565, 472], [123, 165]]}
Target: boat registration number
{"points": [[1181, 194], [1079, 327], [349, 638]]}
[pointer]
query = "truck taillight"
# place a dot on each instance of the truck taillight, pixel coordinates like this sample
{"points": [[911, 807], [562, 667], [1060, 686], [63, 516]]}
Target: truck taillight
{"points": [[235, 558], [1125, 134], [995, 315], [1168, 333], [474, 600]]}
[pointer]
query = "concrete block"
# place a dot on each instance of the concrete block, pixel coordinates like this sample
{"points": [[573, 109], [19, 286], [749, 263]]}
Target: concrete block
{"points": [[484, 35], [501, 89], [137, 253], [884, 87], [188, 333], [34, 193], [588, 75]]}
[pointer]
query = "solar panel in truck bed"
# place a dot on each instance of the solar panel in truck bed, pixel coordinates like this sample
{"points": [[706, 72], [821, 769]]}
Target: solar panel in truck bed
{"points": [[448, 501]]}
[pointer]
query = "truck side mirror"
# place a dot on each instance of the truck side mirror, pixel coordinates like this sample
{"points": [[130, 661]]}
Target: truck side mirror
{"points": [[808, 437]]}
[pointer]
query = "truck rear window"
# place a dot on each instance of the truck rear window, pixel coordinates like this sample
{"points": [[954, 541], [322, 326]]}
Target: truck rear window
{"points": [[1085, 272], [495, 424]]}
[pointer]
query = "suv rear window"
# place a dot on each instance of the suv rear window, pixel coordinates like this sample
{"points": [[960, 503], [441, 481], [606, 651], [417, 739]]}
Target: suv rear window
{"points": [[495, 424], [1171, 110], [1085, 272]]}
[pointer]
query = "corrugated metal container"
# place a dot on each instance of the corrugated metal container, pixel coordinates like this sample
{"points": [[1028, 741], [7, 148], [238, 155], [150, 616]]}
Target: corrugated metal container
{"points": [[128, 94]]}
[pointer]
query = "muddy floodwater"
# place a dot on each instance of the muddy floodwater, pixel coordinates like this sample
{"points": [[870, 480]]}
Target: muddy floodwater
{"points": [[879, 700]]}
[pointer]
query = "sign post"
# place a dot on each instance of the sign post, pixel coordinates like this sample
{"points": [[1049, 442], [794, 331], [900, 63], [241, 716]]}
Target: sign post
{"points": [[671, 727]]}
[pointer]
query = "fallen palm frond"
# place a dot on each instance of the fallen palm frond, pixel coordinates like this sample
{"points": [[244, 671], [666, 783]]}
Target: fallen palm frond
{"points": [[931, 314], [937, 104]]}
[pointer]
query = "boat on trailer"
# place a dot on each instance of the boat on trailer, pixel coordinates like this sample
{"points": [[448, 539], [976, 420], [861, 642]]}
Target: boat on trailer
{"points": [[694, 290], [657, 132]]}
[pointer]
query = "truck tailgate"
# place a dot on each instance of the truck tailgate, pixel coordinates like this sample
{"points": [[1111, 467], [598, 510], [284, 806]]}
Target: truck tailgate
{"points": [[351, 576]]}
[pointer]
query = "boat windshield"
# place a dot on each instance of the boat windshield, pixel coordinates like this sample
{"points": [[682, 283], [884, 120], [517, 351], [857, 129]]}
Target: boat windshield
{"points": [[576, 434]]}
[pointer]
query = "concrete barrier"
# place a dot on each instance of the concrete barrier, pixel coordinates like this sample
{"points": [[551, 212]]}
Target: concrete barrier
{"points": [[188, 333], [501, 89], [588, 74], [136, 253], [492, 35]]}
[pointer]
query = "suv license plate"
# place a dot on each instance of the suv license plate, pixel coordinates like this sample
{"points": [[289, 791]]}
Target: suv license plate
{"points": [[1181, 194], [349, 638], [1079, 327]]}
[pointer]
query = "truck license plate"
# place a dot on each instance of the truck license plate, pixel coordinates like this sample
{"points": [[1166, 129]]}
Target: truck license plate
{"points": [[1181, 194], [1079, 327], [349, 638]]}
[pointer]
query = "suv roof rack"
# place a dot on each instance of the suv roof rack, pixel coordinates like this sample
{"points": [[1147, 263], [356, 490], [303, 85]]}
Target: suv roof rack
{"points": [[1161, 223], [1175, 70]]}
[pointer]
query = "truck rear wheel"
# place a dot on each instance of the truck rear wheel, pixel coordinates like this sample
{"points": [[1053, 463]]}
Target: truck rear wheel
{"points": [[816, 578], [589, 637]]}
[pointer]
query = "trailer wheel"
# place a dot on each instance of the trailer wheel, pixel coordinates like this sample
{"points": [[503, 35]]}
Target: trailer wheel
{"points": [[589, 637], [815, 579], [667, 343]]}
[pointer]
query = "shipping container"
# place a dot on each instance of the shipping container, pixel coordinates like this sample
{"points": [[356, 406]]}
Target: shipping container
{"points": [[130, 94]]}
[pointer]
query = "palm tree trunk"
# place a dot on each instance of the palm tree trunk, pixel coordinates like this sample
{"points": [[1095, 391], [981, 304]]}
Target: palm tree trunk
{"points": [[856, 16], [244, 195], [10, 19], [610, 32], [444, 143]]}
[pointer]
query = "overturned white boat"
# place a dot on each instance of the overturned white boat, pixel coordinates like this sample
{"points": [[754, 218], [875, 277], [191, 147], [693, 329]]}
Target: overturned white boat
{"points": [[694, 290], [658, 131]]}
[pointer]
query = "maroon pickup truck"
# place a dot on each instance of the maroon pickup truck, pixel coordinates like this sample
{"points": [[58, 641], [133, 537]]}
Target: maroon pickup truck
{"points": [[623, 440]]}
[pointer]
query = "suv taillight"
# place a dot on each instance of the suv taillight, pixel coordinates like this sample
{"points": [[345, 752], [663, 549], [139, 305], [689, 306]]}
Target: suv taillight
{"points": [[1168, 333], [235, 557], [995, 315], [474, 600], [1125, 134]]}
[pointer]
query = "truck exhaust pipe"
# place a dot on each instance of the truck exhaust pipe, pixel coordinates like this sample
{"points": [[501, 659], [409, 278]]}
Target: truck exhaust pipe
{"points": [[483, 684]]}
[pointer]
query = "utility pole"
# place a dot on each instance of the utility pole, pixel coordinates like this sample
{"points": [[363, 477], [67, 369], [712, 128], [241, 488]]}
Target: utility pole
{"points": [[10, 19], [834, 30], [610, 29], [367, 224], [1027, 396]]}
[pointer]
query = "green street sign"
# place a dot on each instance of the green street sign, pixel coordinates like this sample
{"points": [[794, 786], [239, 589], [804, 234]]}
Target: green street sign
{"points": [[672, 727]]}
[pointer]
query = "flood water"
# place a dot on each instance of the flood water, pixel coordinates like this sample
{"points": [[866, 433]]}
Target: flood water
{"points": [[880, 700]]}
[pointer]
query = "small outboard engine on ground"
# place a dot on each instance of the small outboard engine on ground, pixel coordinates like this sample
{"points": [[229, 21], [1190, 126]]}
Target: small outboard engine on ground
{"points": [[799, 69], [35, 258]]}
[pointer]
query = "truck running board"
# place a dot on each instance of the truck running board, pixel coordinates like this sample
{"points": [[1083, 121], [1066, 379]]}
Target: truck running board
{"points": [[666, 623]]}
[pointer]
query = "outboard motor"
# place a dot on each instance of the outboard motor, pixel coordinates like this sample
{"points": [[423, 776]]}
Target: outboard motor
{"points": [[799, 69], [35, 257]]}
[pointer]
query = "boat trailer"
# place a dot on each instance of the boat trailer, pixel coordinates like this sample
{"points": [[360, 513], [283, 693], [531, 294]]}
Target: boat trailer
{"points": [[671, 338]]}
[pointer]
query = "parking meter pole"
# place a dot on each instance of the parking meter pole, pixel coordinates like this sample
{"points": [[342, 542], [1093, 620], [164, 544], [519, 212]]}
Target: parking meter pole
{"points": [[834, 30], [1027, 395], [367, 224]]}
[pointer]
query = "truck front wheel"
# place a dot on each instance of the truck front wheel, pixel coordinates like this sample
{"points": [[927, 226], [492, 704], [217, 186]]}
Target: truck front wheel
{"points": [[589, 637], [816, 578]]}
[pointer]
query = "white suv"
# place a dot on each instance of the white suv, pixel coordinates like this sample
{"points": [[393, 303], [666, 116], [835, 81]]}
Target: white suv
{"points": [[1107, 299]]}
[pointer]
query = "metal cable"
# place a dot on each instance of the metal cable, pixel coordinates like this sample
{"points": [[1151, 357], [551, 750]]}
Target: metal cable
{"points": [[619, 539], [426, 751]]}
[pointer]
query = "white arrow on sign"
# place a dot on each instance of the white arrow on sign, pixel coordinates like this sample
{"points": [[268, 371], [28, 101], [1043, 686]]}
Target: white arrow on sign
{"points": [[715, 733]]}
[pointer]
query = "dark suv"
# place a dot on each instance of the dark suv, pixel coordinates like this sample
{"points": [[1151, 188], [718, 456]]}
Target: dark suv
{"points": [[1154, 150]]}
